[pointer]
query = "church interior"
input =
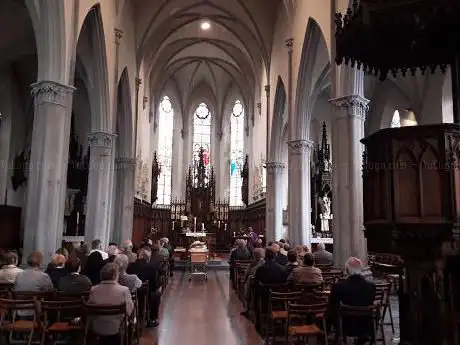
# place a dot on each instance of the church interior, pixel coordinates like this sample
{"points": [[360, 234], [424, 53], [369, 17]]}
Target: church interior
{"points": [[243, 171]]}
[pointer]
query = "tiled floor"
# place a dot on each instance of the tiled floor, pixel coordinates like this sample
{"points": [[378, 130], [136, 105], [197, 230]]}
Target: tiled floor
{"points": [[208, 313]]}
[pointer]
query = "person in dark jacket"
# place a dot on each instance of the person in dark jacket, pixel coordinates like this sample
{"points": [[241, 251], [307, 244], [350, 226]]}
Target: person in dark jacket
{"points": [[146, 271], [271, 272], [74, 283], [354, 291], [57, 270], [93, 267]]}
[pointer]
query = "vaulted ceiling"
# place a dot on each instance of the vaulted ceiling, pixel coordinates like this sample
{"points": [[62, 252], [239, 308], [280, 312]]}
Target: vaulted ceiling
{"points": [[213, 63]]}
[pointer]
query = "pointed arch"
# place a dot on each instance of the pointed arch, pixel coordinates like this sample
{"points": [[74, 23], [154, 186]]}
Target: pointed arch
{"points": [[92, 51], [278, 122], [124, 120], [311, 68]]}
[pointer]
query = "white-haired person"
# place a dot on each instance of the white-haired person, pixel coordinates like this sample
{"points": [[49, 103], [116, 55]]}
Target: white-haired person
{"points": [[128, 251], [353, 291], [131, 281], [164, 252], [112, 251], [322, 256]]}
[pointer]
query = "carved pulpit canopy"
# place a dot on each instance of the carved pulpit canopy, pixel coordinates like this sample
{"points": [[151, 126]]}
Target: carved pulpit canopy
{"points": [[384, 36]]}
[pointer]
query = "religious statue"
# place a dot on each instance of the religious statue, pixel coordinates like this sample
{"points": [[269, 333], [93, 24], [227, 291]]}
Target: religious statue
{"points": [[156, 171], [325, 212]]}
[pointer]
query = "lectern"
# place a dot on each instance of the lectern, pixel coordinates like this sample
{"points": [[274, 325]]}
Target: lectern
{"points": [[411, 190]]}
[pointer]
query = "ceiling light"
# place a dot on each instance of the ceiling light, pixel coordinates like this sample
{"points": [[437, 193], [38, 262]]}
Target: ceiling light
{"points": [[205, 26]]}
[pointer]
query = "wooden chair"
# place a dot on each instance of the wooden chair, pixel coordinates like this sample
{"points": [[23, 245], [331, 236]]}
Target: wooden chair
{"points": [[302, 321], [134, 322], [92, 311], [385, 288], [143, 297], [278, 309], [31, 295], [9, 324], [60, 318], [63, 296], [262, 294], [347, 311]]}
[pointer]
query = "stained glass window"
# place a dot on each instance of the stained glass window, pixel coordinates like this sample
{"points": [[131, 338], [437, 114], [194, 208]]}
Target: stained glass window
{"points": [[396, 120], [165, 144], [236, 153], [202, 136]]}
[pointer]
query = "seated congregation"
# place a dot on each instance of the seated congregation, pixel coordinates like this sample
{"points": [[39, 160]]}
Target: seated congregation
{"points": [[293, 294], [84, 296]]}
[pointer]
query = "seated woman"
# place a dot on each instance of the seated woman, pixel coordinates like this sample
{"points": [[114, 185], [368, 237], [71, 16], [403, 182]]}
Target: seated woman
{"points": [[57, 270], [110, 292]]}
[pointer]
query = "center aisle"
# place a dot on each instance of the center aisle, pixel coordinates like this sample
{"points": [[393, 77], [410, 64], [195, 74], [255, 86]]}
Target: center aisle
{"points": [[200, 313]]}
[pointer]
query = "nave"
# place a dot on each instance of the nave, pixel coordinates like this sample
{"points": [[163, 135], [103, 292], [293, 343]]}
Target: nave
{"points": [[200, 313]]}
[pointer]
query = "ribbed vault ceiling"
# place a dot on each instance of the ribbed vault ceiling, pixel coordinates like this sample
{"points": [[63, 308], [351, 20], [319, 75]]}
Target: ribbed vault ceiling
{"points": [[213, 64]]}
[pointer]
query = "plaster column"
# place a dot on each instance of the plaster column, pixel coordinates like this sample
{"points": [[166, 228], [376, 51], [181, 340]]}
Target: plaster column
{"points": [[46, 186], [124, 198], [299, 207], [101, 165], [274, 220], [347, 150]]}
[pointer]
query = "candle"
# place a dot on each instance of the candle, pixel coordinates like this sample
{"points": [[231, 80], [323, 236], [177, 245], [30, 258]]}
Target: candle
{"points": [[173, 225], [202, 226], [225, 227], [234, 234]]}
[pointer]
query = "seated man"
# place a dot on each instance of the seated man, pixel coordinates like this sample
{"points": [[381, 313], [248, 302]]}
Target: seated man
{"points": [[279, 258], [74, 283], [271, 272], [322, 256], [354, 291], [306, 274], [258, 261], [9, 272], [292, 261], [131, 281], [109, 292], [148, 272]]}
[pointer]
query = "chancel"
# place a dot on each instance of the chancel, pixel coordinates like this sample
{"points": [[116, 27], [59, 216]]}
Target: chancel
{"points": [[259, 146]]}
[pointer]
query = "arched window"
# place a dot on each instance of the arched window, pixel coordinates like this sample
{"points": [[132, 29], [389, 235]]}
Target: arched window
{"points": [[202, 137], [236, 153], [396, 120], [165, 144]]}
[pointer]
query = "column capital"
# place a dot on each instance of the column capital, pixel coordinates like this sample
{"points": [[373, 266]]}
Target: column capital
{"points": [[118, 36], [126, 161], [289, 43], [101, 139], [47, 91], [274, 166], [300, 146], [355, 105]]}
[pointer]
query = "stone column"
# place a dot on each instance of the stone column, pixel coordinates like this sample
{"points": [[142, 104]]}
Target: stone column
{"points": [[101, 164], [347, 150], [299, 207], [124, 198], [274, 199], [5, 141], [46, 186]]}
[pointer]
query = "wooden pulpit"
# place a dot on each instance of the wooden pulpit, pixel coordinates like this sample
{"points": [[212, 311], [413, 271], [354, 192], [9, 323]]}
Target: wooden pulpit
{"points": [[411, 192]]}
